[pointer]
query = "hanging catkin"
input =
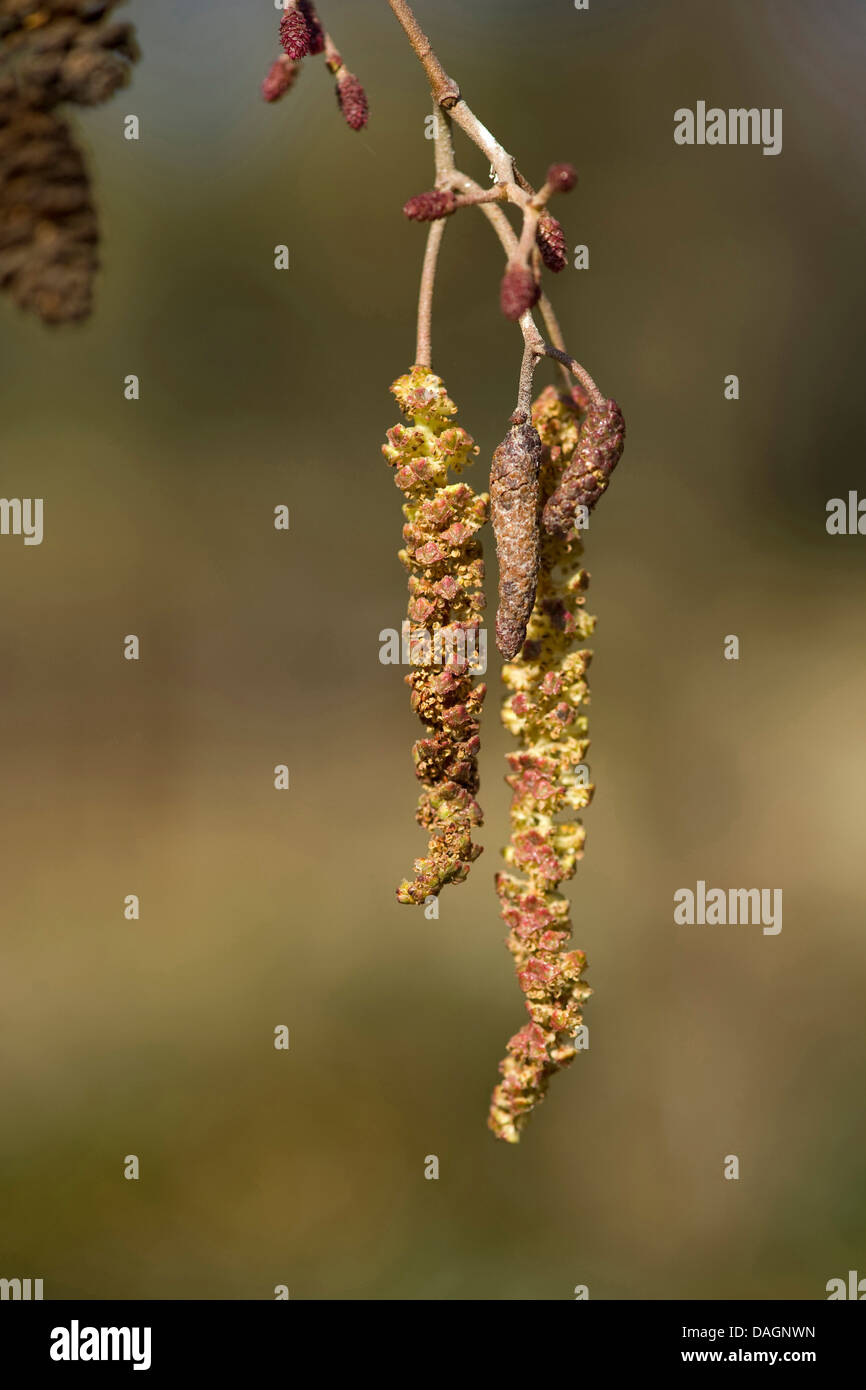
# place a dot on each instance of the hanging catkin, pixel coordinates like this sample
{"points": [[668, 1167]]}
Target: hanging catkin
{"points": [[52, 52], [446, 570], [544, 711], [599, 450], [514, 512]]}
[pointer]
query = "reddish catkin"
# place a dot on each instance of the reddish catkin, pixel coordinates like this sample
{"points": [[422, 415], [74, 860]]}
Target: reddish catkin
{"points": [[550, 239], [352, 100], [514, 503], [282, 76], [301, 33], [430, 206], [599, 450], [519, 290]]}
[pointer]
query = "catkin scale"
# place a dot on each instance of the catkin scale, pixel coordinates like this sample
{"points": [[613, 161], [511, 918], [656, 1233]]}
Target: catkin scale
{"points": [[599, 450], [514, 501]]}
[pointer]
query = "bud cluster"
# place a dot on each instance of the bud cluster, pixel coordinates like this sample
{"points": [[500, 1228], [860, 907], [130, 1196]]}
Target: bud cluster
{"points": [[303, 36], [521, 286]]}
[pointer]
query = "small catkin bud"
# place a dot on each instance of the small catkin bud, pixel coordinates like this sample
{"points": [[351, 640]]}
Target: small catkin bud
{"points": [[280, 79], [294, 35], [514, 513], [551, 242], [562, 177], [352, 100], [599, 450], [519, 290], [301, 33], [428, 207]]}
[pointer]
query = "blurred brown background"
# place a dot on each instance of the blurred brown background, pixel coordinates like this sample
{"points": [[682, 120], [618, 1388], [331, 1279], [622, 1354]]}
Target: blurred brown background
{"points": [[260, 387]]}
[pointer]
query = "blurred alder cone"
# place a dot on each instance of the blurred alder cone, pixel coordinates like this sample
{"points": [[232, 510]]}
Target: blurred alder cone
{"points": [[52, 52]]}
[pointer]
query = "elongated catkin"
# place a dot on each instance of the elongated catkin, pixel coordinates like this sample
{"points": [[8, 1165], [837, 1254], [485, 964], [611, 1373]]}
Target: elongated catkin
{"points": [[514, 500], [442, 552], [599, 450], [545, 710]]}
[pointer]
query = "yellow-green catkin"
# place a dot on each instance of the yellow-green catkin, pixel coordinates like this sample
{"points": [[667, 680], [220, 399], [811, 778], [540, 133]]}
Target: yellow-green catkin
{"points": [[442, 552], [544, 710]]}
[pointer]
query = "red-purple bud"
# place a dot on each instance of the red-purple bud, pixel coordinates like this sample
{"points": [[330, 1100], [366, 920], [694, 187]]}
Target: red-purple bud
{"points": [[280, 79], [352, 100], [301, 33], [518, 291], [550, 239], [428, 207], [562, 177]]}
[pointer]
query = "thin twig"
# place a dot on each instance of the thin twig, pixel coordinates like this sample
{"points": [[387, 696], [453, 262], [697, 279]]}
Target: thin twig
{"points": [[424, 347], [512, 187], [555, 334], [524, 390], [445, 90], [583, 376], [446, 94]]}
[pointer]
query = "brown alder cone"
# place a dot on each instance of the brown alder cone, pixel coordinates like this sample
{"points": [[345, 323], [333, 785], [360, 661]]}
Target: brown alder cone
{"points": [[599, 450], [514, 502]]}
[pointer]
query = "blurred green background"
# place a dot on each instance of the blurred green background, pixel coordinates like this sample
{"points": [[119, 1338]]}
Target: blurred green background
{"points": [[261, 387]]}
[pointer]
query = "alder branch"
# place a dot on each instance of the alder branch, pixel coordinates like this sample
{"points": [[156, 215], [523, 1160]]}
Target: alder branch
{"points": [[510, 186], [446, 94]]}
